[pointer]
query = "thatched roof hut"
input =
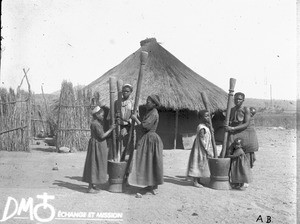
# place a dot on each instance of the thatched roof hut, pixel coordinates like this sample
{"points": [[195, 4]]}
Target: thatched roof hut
{"points": [[178, 86]]}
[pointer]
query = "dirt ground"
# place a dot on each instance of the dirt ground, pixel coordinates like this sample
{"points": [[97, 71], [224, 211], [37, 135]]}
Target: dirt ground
{"points": [[271, 198]]}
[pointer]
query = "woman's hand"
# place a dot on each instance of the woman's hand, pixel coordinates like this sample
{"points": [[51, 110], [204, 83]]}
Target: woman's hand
{"points": [[112, 127], [229, 128], [134, 117], [210, 155]]}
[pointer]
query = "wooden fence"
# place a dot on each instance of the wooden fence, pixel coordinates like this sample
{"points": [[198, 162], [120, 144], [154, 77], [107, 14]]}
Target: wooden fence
{"points": [[15, 118], [74, 117]]}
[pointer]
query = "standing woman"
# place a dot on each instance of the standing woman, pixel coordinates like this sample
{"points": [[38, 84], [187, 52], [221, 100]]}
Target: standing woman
{"points": [[201, 151], [95, 168], [240, 126], [149, 157]]}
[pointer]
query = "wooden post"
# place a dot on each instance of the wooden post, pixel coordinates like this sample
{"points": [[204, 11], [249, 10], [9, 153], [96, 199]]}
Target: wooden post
{"points": [[1, 122], [58, 121], [143, 60], [176, 129], [46, 106], [113, 90], [29, 107], [205, 101], [119, 112], [226, 123]]}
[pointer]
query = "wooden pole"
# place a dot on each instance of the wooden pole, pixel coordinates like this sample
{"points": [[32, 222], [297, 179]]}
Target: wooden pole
{"points": [[206, 101], [226, 123], [113, 90], [45, 101], [29, 107], [143, 60], [176, 129], [119, 113], [58, 121]]}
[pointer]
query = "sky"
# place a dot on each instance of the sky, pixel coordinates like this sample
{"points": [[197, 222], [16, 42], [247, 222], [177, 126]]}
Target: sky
{"points": [[253, 41]]}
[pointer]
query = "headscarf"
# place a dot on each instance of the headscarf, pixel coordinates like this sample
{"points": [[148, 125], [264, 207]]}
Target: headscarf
{"points": [[128, 85], [155, 99], [96, 110]]}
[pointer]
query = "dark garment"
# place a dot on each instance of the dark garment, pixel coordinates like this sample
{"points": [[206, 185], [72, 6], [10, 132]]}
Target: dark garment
{"points": [[125, 130], [250, 141], [149, 155], [95, 168], [251, 158], [240, 171]]}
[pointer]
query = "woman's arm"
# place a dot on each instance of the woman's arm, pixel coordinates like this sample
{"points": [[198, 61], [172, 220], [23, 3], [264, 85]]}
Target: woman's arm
{"points": [[243, 125], [100, 134], [134, 117], [105, 135], [149, 121]]}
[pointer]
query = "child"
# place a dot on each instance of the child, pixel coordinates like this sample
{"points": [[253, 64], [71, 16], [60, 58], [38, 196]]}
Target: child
{"points": [[95, 168], [201, 150], [240, 171], [252, 111]]}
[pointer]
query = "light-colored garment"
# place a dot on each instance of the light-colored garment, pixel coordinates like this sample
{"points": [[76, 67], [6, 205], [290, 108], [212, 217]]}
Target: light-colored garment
{"points": [[126, 111], [201, 150]]}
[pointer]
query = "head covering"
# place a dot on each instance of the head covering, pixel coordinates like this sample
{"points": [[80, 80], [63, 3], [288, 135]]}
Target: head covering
{"points": [[96, 110], [239, 94], [155, 99], [128, 85]]}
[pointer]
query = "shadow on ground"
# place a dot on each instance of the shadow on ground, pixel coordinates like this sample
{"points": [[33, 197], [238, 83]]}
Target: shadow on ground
{"points": [[185, 181], [178, 180], [82, 186]]}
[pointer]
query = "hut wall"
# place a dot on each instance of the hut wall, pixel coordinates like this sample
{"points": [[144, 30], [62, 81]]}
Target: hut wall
{"points": [[187, 125]]}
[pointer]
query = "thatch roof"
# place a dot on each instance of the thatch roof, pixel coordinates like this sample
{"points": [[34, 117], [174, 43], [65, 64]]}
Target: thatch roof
{"points": [[177, 85]]}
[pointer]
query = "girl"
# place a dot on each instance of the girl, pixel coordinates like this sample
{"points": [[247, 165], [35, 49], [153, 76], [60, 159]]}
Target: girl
{"points": [[201, 150], [149, 155], [240, 171], [95, 168]]}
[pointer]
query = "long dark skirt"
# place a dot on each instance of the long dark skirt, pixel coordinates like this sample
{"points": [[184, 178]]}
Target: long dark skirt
{"points": [[149, 160], [95, 168]]}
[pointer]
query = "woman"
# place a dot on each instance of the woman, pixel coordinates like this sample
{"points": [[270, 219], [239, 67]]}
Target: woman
{"points": [[241, 126], [95, 168], [201, 150], [149, 157]]}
